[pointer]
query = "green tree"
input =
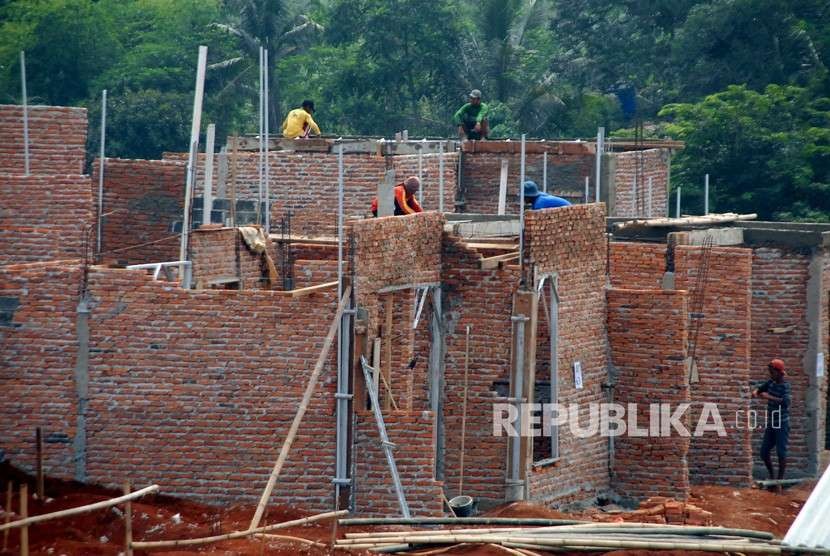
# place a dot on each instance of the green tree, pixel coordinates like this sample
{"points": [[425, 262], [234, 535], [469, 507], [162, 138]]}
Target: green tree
{"points": [[768, 153]]}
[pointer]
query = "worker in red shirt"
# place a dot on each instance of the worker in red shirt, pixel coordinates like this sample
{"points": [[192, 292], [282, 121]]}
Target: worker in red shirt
{"points": [[405, 201]]}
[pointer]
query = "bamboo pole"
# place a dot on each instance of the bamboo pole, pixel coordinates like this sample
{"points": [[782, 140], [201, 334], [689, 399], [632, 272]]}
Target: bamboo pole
{"points": [[298, 417], [8, 512], [24, 513], [128, 521], [459, 521], [144, 545], [79, 509], [387, 351], [309, 542]]}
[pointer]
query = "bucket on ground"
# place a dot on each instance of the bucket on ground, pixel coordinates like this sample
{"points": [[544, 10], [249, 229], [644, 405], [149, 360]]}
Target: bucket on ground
{"points": [[462, 506]]}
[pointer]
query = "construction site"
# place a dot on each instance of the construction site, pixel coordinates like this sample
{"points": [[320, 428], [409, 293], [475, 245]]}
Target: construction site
{"points": [[229, 333]]}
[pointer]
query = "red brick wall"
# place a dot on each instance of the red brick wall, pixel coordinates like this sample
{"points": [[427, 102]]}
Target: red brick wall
{"points": [[571, 242], [311, 273], [723, 360], [143, 199], [57, 139], [195, 379], [647, 331], [637, 265], [481, 173], [38, 355], [43, 217], [222, 253], [779, 301], [639, 166], [483, 300], [306, 183], [414, 456]]}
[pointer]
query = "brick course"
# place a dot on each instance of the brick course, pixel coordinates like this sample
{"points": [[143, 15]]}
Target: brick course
{"points": [[221, 253], [647, 331], [632, 172], [637, 265], [143, 201], [57, 139], [44, 217], [722, 354]]}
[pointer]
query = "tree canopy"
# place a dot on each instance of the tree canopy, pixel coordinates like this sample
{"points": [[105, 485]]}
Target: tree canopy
{"points": [[744, 83]]}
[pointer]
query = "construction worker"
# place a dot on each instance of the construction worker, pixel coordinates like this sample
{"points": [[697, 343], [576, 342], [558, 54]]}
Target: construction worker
{"points": [[299, 122], [405, 201], [777, 393], [471, 118], [536, 200]]}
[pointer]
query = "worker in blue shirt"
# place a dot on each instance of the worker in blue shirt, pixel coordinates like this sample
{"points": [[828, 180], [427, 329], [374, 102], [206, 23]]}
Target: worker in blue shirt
{"points": [[536, 200]]}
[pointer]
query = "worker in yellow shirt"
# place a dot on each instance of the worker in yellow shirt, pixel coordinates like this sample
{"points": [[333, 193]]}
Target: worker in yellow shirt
{"points": [[299, 122]]}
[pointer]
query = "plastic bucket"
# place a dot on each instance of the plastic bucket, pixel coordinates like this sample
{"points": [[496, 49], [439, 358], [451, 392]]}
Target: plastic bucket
{"points": [[462, 506]]}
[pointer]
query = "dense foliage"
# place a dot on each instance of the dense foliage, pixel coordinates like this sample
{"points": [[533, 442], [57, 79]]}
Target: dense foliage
{"points": [[744, 82]]}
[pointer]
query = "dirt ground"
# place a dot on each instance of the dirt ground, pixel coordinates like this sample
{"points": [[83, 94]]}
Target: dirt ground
{"points": [[160, 517]]}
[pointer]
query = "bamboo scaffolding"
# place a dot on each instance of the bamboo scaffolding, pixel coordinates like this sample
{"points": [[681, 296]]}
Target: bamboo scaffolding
{"points": [[79, 510], [460, 521], [309, 542], [144, 545]]}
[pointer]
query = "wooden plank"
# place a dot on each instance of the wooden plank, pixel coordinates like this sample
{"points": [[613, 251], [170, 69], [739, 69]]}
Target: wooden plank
{"points": [[493, 246], [361, 347], [389, 289], [684, 221], [128, 522], [319, 240], [376, 362], [387, 355], [490, 263], [24, 513], [39, 471], [311, 289]]}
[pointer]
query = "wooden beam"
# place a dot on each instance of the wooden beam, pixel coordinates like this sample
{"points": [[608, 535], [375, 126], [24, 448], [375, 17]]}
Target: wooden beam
{"points": [[389, 289], [492, 246], [490, 263], [387, 352], [301, 292], [317, 240]]}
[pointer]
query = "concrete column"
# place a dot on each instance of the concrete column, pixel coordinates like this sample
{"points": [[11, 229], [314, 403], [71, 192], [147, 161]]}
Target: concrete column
{"points": [[815, 345]]}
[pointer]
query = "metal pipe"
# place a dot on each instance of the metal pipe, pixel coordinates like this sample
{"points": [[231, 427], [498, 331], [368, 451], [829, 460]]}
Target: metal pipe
{"points": [[25, 112], [518, 381], [207, 195], [343, 395], [421, 174], [522, 211], [267, 135], [101, 169], [706, 195], [261, 131], [650, 190], [587, 183], [600, 149], [195, 127], [440, 176], [677, 212], [554, 360], [545, 171]]}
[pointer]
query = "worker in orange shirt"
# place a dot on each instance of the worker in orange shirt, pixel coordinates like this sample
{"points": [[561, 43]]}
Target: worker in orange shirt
{"points": [[405, 201]]}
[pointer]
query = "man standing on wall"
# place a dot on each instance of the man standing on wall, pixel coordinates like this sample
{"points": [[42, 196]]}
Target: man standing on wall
{"points": [[299, 122], [405, 201], [471, 118], [536, 200], [777, 393]]}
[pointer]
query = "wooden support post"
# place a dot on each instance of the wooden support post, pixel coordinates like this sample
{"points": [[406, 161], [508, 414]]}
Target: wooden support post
{"points": [[376, 361], [234, 162], [128, 522], [503, 187], [361, 347], [8, 511], [24, 513], [39, 471], [387, 352]]}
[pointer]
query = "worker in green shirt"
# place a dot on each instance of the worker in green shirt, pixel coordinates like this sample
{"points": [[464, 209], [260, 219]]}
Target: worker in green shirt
{"points": [[471, 118]]}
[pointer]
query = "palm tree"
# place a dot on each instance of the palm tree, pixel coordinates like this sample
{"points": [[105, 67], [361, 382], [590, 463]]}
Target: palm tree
{"points": [[274, 24]]}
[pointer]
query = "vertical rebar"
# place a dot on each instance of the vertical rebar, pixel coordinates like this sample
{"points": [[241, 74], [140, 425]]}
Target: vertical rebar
{"points": [[650, 190], [600, 149], [545, 171], [101, 164], [440, 176], [261, 131], [421, 172], [706, 195], [677, 212], [207, 194], [522, 211], [267, 148], [25, 112]]}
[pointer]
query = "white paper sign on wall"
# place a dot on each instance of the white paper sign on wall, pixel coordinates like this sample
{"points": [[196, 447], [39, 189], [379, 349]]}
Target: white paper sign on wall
{"points": [[578, 375], [820, 364]]}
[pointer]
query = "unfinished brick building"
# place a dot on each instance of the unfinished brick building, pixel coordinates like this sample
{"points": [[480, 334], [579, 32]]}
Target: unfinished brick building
{"points": [[195, 389]]}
